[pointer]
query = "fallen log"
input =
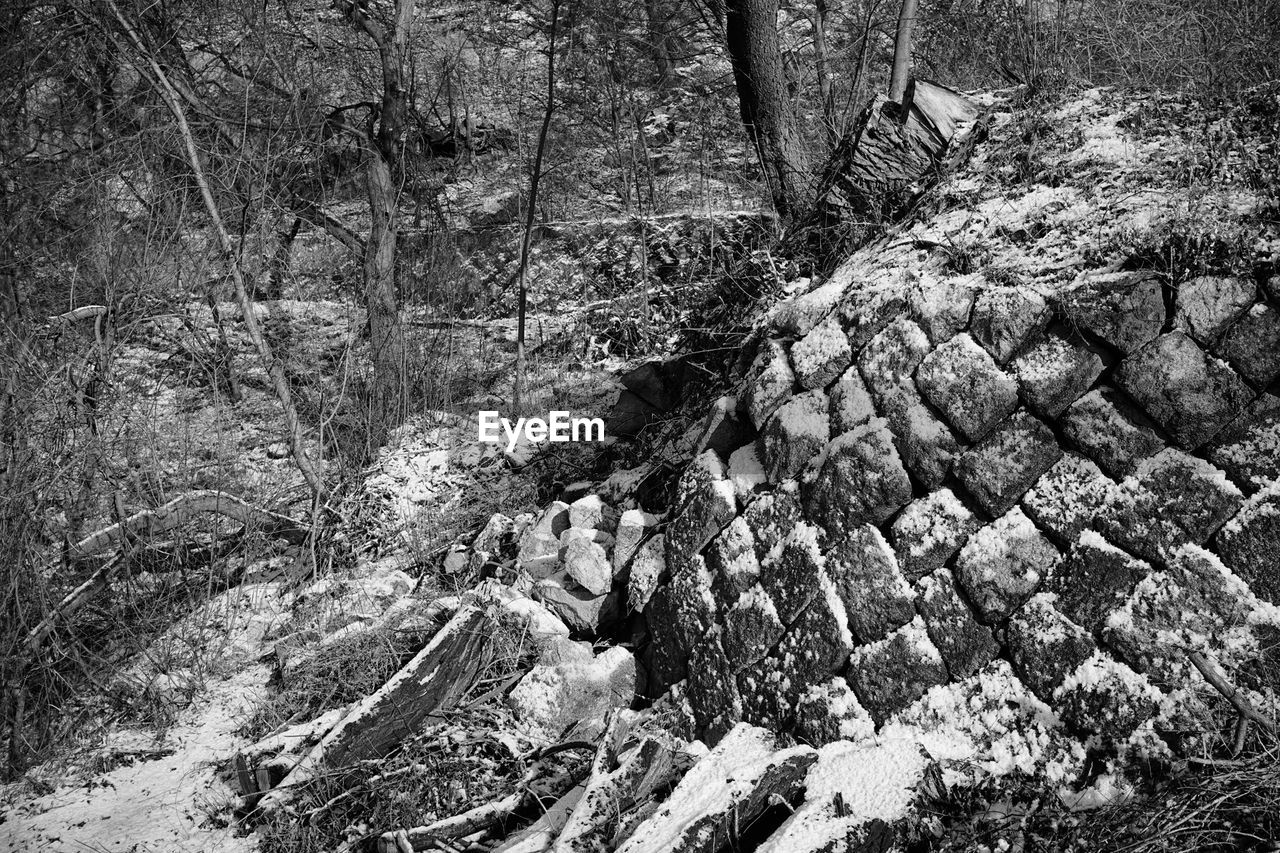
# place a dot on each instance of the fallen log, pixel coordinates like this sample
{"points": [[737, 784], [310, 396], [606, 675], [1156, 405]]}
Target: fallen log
{"points": [[434, 681], [179, 511]]}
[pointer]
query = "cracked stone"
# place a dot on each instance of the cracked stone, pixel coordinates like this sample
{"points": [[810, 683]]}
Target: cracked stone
{"points": [[791, 574], [732, 561]]}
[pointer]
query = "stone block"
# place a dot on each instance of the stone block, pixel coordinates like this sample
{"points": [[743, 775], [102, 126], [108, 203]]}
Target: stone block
{"points": [[822, 355], [1002, 565], [962, 380], [1193, 603], [693, 606], [859, 479], [1172, 499], [772, 515], [766, 701], [712, 689], [751, 628], [929, 530], [890, 359], [1253, 345], [1123, 309], [1206, 305], [1188, 392], [1045, 646], [648, 565], [830, 711], [965, 644], [667, 657], [1248, 449], [731, 559], [746, 472], [1095, 578], [1250, 543], [890, 674], [1110, 431], [1107, 698], [876, 597], [791, 574], [851, 404], [592, 513], [867, 311], [586, 561], [1068, 498], [709, 505], [1006, 318], [941, 306], [817, 646], [1054, 373], [539, 552], [1001, 467], [925, 443], [796, 432], [769, 382], [633, 526]]}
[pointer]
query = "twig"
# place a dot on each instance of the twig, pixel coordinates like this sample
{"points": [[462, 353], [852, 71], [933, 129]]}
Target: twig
{"points": [[1229, 692]]}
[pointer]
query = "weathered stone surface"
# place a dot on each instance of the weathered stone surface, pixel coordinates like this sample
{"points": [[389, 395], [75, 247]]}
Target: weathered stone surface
{"points": [[633, 526], [1054, 373], [1207, 305], [818, 644], [731, 558], [889, 675], [766, 701], [1002, 565], [1094, 579], [929, 530], [851, 404], [667, 657], [1124, 309], [582, 610], [1188, 392], [829, 712], [592, 513], [751, 628], [859, 479], [1005, 318], [1001, 467], [712, 688], [772, 515], [941, 306], [1248, 449], [769, 382], [1068, 498], [708, 505], [1250, 543], [539, 552], [1046, 646], [1172, 499], [822, 355], [876, 597], [706, 469], [586, 562], [927, 447], [1110, 431], [962, 380], [791, 574], [694, 605], [1253, 345], [890, 359], [648, 565], [1106, 697], [1193, 603], [795, 433], [965, 644], [867, 312]]}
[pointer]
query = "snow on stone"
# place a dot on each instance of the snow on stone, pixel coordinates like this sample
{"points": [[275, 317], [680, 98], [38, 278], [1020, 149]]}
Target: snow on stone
{"points": [[874, 781], [746, 471], [819, 354]]}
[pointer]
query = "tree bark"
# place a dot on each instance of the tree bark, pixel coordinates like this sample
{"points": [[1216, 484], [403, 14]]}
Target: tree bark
{"points": [[755, 52], [902, 50], [383, 168]]}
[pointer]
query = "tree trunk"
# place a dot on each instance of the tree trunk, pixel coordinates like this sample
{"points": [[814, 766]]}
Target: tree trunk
{"points": [[659, 40], [902, 50], [756, 55]]}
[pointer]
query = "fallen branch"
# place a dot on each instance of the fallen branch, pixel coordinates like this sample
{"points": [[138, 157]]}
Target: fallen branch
{"points": [[182, 509], [1228, 691]]}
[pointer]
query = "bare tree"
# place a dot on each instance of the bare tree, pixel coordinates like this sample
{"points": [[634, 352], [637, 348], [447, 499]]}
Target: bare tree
{"points": [[902, 50], [384, 179]]}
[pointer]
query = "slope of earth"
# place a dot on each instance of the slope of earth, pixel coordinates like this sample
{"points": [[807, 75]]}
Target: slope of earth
{"points": [[995, 502]]}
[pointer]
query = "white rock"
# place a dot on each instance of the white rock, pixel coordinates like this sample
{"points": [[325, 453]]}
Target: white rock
{"points": [[586, 562], [574, 694], [632, 527], [593, 513], [647, 567]]}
